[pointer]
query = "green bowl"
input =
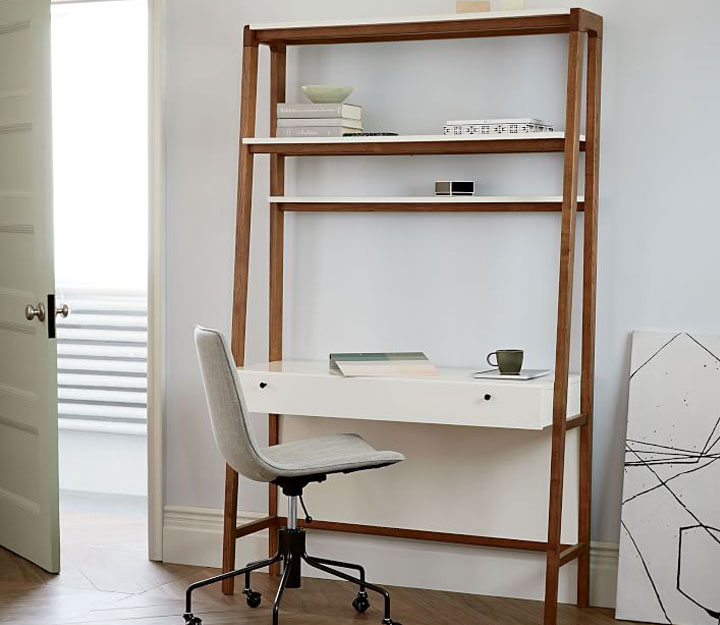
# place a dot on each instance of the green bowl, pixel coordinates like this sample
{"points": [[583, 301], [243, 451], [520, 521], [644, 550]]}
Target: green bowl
{"points": [[325, 94]]}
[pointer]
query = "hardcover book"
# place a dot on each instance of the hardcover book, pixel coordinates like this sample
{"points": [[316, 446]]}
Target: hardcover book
{"points": [[383, 364], [325, 121], [309, 111], [315, 131]]}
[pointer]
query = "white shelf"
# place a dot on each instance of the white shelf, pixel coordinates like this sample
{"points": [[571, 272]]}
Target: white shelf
{"points": [[449, 17], [430, 199], [533, 136], [433, 203], [452, 398], [399, 145]]}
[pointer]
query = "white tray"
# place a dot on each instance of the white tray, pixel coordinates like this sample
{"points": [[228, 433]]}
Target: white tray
{"points": [[525, 374]]}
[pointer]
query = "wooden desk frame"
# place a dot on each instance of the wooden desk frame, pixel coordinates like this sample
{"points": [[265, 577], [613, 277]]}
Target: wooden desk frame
{"points": [[578, 24]]}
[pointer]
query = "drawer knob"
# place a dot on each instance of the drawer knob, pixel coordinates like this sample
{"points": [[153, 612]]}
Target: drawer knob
{"points": [[263, 384], [488, 397]]}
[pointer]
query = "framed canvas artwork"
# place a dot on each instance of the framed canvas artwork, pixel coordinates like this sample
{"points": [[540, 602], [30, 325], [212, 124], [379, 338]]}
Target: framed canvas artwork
{"points": [[669, 568]]}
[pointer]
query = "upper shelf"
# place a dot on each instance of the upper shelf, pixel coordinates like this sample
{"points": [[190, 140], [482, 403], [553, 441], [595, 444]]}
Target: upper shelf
{"points": [[410, 144], [489, 24]]}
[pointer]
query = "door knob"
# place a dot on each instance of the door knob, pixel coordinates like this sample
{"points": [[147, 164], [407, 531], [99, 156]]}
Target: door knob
{"points": [[31, 312], [63, 311]]}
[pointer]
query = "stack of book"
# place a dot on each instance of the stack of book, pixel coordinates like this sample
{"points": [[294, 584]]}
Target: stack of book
{"points": [[318, 120], [392, 364], [496, 126]]}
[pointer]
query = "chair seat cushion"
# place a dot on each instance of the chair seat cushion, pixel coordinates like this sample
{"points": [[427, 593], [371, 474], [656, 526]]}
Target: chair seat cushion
{"points": [[326, 454]]}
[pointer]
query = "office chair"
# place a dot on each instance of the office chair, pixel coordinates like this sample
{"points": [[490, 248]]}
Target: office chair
{"points": [[291, 466]]}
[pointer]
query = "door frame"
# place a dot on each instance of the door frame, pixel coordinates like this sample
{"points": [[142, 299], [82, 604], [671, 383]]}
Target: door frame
{"points": [[156, 272], [156, 277]]}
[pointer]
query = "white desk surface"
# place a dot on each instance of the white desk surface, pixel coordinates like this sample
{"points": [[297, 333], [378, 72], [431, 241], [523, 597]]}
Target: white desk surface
{"points": [[446, 374], [301, 387]]}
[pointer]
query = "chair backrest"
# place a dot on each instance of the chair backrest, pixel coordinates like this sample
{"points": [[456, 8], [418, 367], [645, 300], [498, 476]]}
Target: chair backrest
{"points": [[228, 412]]}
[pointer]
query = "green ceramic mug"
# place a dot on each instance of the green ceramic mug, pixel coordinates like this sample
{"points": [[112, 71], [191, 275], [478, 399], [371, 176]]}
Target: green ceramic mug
{"points": [[508, 361]]}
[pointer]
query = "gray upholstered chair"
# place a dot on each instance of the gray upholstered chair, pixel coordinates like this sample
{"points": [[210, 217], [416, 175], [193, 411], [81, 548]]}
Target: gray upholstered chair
{"points": [[291, 466]]}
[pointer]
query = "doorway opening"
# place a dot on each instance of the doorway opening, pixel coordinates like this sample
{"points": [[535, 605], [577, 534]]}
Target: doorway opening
{"points": [[100, 64]]}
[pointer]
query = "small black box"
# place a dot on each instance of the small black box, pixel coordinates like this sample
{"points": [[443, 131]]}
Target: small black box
{"points": [[454, 187]]}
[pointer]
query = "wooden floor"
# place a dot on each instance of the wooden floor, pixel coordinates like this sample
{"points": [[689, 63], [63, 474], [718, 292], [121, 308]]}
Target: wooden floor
{"points": [[106, 578]]}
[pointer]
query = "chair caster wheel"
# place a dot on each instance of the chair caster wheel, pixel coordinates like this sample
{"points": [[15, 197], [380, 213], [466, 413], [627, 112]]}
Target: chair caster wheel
{"points": [[389, 621], [253, 598], [361, 603], [190, 619]]}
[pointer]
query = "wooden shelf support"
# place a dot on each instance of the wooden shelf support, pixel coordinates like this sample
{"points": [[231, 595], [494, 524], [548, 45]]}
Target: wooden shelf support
{"points": [[248, 106], [590, 235], [255, 526], [564, 321], [494, 542], [568, 554], [278, 60]]}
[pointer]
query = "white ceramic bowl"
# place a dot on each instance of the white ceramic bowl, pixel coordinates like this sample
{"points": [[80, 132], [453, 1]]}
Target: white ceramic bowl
{"points": [[327, 93]]}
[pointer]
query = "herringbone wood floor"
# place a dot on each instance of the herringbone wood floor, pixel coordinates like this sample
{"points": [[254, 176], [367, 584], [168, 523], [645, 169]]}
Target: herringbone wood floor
{"points": [[106, 579]]}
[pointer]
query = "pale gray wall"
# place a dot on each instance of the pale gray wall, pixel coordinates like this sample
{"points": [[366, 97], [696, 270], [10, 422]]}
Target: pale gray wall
{"points": [[455, 286]]}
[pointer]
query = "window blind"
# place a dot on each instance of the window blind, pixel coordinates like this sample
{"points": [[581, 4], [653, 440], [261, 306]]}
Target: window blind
{"points": [[102, 362]]}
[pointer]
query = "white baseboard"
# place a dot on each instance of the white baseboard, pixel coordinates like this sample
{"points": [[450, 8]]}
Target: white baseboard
{"points": [[194, 536], [603, 573]]}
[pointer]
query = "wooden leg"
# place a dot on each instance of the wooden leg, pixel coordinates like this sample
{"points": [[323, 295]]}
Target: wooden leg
{"points": [[564, 318], [229, 525], [552, 578], [242, 262], [585, 499], [587, 384], [275, 351], [278, 63], [273, 542], [244, 198]]}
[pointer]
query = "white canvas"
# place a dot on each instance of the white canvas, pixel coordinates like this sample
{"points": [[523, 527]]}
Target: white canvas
{"points": [[669, 570]]}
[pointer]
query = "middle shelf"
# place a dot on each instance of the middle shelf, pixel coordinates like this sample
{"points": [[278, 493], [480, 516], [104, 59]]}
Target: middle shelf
{"points": [[433, 203], [410, 144]]}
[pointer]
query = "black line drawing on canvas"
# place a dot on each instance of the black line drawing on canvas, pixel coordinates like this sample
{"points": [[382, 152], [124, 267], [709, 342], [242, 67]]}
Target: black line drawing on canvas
{"points": [[679, 400]]}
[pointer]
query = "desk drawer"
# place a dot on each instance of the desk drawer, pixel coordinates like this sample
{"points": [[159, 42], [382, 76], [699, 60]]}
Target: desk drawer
{"points": [[447, 399]]}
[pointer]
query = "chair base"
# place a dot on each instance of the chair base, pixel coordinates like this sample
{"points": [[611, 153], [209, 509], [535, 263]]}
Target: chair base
{"points": [[292, 552]]}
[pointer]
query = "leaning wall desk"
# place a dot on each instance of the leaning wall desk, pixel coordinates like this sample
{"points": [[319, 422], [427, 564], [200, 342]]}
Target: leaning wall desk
{"points": [[584, 31], [309, 388]]}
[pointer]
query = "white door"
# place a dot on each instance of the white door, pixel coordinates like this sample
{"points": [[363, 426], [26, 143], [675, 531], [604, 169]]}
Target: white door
{"points": [[28, 384]]}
